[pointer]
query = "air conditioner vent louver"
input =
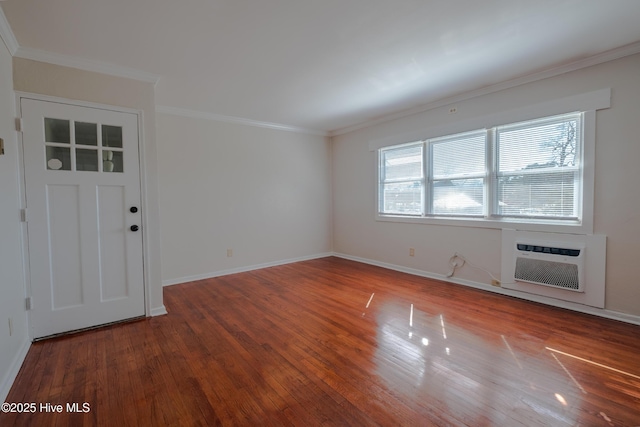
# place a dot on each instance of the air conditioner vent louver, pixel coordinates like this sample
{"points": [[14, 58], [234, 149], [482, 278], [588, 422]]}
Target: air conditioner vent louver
{"points": [[550, 273]]}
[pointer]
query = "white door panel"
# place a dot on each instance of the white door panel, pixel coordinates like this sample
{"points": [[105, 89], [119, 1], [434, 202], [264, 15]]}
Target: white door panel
{"points": [[64, 245], [82, 179]]}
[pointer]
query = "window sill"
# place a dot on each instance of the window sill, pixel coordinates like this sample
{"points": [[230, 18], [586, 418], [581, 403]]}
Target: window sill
{"points": [[524, 225]]}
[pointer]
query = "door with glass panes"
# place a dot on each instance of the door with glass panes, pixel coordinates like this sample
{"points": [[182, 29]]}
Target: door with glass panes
{"points": [[83, 216]]}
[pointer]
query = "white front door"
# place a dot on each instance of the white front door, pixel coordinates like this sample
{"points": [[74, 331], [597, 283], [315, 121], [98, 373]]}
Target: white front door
{"points": [[83, 216]]}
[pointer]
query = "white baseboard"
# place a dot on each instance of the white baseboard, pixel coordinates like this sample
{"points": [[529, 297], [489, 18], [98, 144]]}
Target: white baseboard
{"points": [[158, 311], [219, 273], [609, 314], [12, 373]]}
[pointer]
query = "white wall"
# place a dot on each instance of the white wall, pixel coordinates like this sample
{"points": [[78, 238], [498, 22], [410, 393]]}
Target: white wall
{"points": [[264, 193], [357, 234], [12, 346]]}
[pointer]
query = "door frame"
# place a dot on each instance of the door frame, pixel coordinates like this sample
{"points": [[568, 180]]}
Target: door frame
{"points": [[143, 191]]}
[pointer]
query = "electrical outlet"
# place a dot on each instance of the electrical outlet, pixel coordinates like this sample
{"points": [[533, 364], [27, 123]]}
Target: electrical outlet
{"points": [[229, 252], [453, 110], [412, 252], [495, 282]]}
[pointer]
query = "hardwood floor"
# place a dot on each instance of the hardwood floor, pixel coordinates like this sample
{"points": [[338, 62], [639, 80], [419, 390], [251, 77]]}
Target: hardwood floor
{"points": [[334, 342]]}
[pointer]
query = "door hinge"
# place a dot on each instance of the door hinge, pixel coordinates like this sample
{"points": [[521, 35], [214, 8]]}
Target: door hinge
{"points": [[27, 303], [19, 124], [23, 215]]}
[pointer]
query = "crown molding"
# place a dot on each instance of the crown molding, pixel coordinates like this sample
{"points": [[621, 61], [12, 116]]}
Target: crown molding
{"points": [[194, 114], [85, 64], [18, 51], [621, 52], [6, 34]]}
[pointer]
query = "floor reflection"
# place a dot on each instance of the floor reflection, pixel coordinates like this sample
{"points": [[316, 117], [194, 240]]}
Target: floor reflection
{"points": [[569, 374], [468, 370], [600, 365]]}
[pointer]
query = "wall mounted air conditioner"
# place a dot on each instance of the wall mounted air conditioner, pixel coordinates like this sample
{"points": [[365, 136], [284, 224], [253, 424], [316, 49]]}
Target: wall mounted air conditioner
{"points": [[567, 267], [556, 264]]}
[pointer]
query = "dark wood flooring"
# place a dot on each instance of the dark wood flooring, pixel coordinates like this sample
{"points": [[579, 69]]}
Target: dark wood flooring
{"points": [[338, 343]]}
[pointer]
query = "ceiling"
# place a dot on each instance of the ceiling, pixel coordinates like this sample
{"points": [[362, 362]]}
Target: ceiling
{"points": [[321, 65]]}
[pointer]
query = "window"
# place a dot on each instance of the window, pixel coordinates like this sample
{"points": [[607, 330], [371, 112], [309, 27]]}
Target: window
{"points": [[402, 180], [457, 165], [538, 173], [527, 172], [79, 150]]}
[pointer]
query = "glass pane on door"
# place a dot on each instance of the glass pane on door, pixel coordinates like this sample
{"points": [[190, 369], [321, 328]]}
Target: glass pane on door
{"points": [[57, 130], [111, 136], [112, 161], [86, 133], [58, 158], [86, 160]]}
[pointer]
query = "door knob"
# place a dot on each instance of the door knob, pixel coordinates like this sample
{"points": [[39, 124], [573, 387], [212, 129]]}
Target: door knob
{"points": [[135, 228], [133, 209]]}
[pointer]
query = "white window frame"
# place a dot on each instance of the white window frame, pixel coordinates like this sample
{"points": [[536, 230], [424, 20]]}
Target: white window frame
{"points": [[587, 103], [578, 187], [384, 181], [430, 188]]}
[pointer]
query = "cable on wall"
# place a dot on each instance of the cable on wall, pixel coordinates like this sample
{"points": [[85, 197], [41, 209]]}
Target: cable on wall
{"points": [[457, 261]]}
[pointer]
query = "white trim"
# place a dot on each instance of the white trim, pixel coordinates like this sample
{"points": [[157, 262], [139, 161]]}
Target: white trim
{"points": [[611, 55], [588, 156], [194, 114], [586, 227], [22, 190], [85, 64], [158, 311], [6, 34], [588, 101], [14, 368], [608, 314], [170, 282], [146, 244], [60, 100]]}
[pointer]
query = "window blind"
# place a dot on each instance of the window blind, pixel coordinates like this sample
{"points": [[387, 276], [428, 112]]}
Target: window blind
{"points": [[538, 171]]}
